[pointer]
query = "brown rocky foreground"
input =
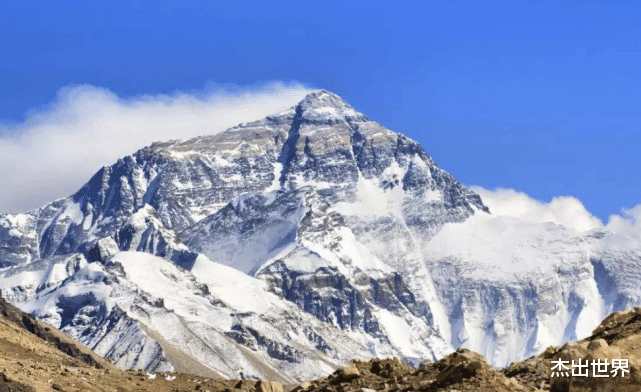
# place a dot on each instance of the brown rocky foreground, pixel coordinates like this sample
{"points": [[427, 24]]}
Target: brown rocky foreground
{"points": [[37, 357]]}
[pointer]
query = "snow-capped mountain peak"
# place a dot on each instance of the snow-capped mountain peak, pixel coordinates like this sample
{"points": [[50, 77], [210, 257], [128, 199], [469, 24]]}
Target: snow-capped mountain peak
{"points": [[283, 247], [323, 105]]}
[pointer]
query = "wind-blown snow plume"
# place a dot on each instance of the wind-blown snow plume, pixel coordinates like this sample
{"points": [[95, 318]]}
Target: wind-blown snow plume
{"points": [[58, 147]]}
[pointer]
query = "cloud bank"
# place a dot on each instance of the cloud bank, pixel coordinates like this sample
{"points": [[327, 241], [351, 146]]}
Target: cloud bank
{"points": [[563, 210], [56, 149], [629, 222]]}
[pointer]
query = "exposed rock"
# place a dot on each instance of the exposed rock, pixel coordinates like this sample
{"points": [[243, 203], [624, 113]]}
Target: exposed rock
{"points": [[8, 385], [269, 386], [346, 374], [305, 385], [102, 250], [598, 343], [245, 384], [425, 364], [463, 370]]}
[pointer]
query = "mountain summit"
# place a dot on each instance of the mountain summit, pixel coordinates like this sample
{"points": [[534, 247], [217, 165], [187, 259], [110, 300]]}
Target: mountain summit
{"points": [[323, 105], [285, 247]]}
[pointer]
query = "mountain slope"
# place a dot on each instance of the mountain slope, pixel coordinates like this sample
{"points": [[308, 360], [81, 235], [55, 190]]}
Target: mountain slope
{"points": [[36, 357]]}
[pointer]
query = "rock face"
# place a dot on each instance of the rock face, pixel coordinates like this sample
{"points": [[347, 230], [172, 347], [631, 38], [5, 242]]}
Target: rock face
{"points": [[282, 248]]}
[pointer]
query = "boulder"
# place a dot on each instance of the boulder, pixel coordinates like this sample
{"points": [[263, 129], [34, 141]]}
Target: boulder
{"points": [[347, 374], [598, 343], [268, 386]]}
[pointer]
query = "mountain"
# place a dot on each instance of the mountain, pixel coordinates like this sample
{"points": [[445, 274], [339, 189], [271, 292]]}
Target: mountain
{"points": [[31, 353], [283, 248], [35, 356], [616, 337]]}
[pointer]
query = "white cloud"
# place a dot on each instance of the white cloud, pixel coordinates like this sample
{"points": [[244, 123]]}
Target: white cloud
{"points": [[564, 210], [56, 150], [628, 223]]}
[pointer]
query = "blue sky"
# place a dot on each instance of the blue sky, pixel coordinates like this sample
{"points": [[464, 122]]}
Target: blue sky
{"points": [[540, 96]]}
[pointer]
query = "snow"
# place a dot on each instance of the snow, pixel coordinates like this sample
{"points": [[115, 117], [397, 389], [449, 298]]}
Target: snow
{"points": [[15, 220], [500, 247], [593, 309], [249, 248], [72, 212], [398, 332], [162, 279], [348, 249], [27, 280], [372, 199], [222, 162], [143, 218], [159, 278], [198, 213], [550, 262], [89, 280], [87, 222], [325, 105], [236, 289], [294, 257], [21, 283], [275, 185], [198, 326], [180, 155], [435, 195]]}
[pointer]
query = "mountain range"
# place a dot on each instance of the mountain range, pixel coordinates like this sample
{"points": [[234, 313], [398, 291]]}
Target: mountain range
{"points": [[285, 247]]}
